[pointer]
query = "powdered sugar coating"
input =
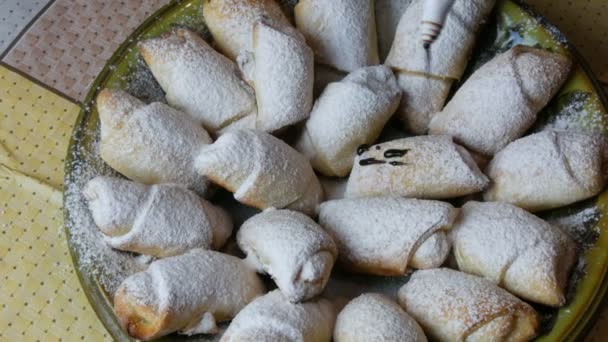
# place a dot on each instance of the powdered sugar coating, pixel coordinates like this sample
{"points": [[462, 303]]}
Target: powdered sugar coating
{"points": [[431, 167], [452, 306], [548, 170], [500, 101], [515, 250], [181, 289], [374, 317], [341, 32], [292, 248], [348, 114], [284, 71], [150, 143], [197, 79], [422, 98], [231, 22], [262, 171], [273, 318], [381, 235], [159, 220]]}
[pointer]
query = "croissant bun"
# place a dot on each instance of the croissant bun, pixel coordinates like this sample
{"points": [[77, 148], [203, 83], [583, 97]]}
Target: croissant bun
{"points": [[292, 248], [430, 167], [550, 169], [282, 66], [455, 306], [385, 235], [535, 258], [274, 318], [158, 220], [262, 171], [188, 293], [348, 114], [375, 317], [231, 22], [151, 143], [341, 32], [501, 100], [197, 79]]}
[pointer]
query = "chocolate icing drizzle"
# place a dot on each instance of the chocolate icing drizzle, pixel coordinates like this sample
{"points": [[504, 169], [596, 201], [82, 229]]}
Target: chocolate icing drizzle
{"points": [[362, 149], [370, 161], [394, 153]]}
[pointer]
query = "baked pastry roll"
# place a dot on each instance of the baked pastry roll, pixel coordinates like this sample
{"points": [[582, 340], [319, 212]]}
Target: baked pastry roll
{"points": [[273, 317], [188, 293], [374, 317], [549, 169], [500, 101], [197, 79], [149, 143], [431, 167], [262, 171], [231, 22], [291, 247], [535, 258], [283, 67], [158, 220], [348, 114], [426, 76], [455, 306], [341, 32], [388, 14], [385, 235]]}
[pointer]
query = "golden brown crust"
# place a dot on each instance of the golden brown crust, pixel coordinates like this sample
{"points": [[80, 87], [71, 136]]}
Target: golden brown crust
{"points": [[231, 21], [140, 321]]}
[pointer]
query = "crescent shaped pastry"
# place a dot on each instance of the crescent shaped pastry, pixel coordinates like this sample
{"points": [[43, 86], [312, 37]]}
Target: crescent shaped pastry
{"points": [[548, 170], [385, 235], [187, 293], [151, 143], [500, 101], [455, 306], [430, 167], [374, 317], [341, 32], [426, 76], [197, 79], [535, 258], [273, 317], [231, 22], [262, 171], [348, 114], [283, 67], [159, 220], [292, 248]]}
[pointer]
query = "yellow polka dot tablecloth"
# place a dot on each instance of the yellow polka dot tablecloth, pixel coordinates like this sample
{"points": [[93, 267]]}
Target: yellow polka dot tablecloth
{"points": [[50, 52]]}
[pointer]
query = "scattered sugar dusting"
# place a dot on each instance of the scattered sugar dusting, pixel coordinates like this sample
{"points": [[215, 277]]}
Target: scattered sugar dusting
{"points": [[109, 266], [581, 224]]}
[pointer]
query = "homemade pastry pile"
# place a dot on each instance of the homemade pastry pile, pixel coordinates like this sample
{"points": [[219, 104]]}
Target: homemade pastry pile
{"points": [[226, 101]]}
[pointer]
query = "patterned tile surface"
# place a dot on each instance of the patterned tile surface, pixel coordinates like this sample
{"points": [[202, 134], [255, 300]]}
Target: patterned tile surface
{"points": [[69, 44], [14, 17], [585, 23], [40, 296]]}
